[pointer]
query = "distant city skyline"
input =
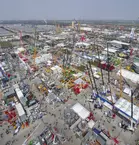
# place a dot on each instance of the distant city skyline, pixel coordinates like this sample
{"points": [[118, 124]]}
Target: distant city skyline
{"points": [[69, 9]]}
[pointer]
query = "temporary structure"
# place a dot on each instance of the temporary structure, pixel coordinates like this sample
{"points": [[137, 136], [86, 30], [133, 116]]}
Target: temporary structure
{"points": [[82, 112], [124, 108], [133, 77]]}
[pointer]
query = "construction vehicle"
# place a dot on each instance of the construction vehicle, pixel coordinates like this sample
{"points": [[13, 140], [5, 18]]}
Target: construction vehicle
{"points": [[129, 68], [48, 70], [42, 88], [70, 83]]}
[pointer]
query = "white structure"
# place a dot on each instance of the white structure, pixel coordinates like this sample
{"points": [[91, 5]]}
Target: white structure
{"points": [[79, 81], [20, 96], [124, 108], [20, 109], [77, 75], [60, 45], [88, 29], [111, 50], [133, 77], [91, 124], [20, 49], [43, 58], [56, 69], [21, 112], [79, 44], [119, 42], [82, 112], [46, 48]]}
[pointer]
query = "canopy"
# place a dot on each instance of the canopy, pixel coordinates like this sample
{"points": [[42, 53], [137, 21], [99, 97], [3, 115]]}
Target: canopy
{"points": [[79, 81], [82, 112], [129, 75], [125, 107], [20, 109], [21, 49]]}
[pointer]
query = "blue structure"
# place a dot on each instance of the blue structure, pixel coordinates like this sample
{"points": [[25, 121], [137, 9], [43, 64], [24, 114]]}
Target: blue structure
{"points": [[105, 100], [5, 79]]}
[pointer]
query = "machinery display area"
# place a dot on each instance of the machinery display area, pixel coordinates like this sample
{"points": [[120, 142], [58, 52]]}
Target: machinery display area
{"points": [[68, 85]]}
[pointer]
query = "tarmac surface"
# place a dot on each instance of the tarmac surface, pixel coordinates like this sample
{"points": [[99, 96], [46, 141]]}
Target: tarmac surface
{"points": [[55, 114], [125, 137]]}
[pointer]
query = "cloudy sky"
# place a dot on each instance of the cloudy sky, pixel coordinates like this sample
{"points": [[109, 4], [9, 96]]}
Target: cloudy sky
{"points": [[69, 9]]}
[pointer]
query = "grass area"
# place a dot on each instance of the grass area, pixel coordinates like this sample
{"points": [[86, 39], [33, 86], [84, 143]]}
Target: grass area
{"points": [[81, 68], [116, 61], [5, 44]]}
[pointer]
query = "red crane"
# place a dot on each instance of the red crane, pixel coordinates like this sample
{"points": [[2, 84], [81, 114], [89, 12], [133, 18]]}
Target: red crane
{"points": [[82, 38]]}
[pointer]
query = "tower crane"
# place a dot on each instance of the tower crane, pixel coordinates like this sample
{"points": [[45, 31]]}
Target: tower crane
{"points": [[104, 90]]}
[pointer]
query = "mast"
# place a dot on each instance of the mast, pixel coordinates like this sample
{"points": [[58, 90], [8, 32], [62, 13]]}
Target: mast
{"points": [[108, 64], [93, 77], [108, 68], [90, 77], [100, 67]]}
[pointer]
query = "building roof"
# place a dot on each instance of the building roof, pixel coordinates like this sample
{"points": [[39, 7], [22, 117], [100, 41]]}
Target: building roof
{"points": [[20, 109], [133, 77], [119, 42], [125, 106]]}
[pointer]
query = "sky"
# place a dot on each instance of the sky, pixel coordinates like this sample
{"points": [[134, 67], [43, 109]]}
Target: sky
{"points": [[69, 9]]}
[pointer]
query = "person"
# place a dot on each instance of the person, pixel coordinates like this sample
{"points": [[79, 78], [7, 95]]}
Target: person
{"points": [[99, 123], [1, 135], [7, 132], [115, 82]]}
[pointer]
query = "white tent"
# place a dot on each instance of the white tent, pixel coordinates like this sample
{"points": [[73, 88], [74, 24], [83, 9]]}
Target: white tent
{"points": [[20, 109], [43, 58], [56, 69], [111, 50], [119, 42], [125, 109], [133, 77], [21, 49], [88, 29], [82, 44], [82, 112], [91, 124], [60, 45], [79, 81], [77, 75]]}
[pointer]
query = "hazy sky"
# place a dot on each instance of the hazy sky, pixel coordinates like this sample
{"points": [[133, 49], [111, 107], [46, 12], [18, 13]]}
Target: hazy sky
{"points": [[69, 9]]}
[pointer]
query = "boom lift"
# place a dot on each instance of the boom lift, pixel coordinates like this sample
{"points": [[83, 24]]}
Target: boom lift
{"points": [[121, 87], [95, 89], [21, 42]]}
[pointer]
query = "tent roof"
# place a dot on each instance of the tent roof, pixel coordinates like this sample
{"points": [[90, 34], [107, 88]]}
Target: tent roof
{"points": [[125, 106], [21, 49], [129, 75], [82, 112], [20, 109]]}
